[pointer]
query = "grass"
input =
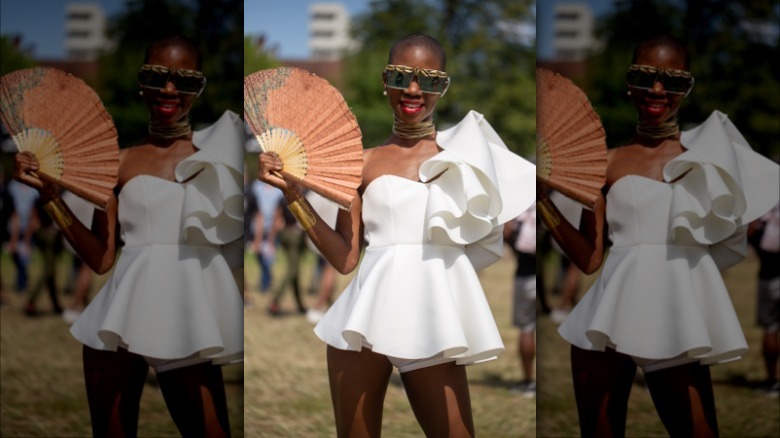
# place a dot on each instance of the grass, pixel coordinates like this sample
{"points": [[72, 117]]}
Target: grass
{"points": [[282, 389], [286, 382], [42, 391], [741, 412]]}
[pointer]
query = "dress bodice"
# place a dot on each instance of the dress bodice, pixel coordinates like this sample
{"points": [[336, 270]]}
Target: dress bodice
{"points": [[149, 211], [638, 211], [394, 212]]}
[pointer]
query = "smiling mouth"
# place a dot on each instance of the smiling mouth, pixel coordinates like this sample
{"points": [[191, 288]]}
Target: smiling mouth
{"points": [[411, 107]]}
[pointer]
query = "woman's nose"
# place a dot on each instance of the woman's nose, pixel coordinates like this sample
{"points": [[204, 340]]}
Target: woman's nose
{"points": [[414, 87], [658, 87], [170, 87]]}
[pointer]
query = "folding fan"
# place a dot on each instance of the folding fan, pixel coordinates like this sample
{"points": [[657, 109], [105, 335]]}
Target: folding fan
{"points": [[571, 150], [61, 120], [306, 121]]}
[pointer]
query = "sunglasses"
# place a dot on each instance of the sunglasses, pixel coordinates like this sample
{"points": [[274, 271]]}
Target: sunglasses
{"points": [[645, 76], [429, 81], [157, 77]]}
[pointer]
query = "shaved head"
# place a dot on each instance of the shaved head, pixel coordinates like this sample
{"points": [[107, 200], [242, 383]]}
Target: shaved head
{"points": [[418, 40]]}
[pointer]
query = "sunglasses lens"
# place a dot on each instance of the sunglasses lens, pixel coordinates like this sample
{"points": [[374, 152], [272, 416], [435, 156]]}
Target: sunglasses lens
{"points": [[432, 84], [397, 79], [676, 84], [640, 79], [188, 84], [152, 79]]}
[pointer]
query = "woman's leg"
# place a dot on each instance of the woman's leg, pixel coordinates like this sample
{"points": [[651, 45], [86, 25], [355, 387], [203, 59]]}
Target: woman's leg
{"points": [[602, 384], [115, 381], [358, 383], [684, 400], [440, 399], [195, 396]]}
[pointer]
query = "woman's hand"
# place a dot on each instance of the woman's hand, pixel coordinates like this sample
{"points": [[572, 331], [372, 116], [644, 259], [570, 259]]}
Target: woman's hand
{"points": [[26, 164], [268, 167]]}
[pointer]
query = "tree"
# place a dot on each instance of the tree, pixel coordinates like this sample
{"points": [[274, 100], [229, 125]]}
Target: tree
{"points": [[732, 45], [14, 58], [492, 71], [256, 57]]}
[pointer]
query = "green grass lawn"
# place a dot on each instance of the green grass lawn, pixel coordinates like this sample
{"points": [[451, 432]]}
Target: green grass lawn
{"points": [[741, 412], [282, 389]]}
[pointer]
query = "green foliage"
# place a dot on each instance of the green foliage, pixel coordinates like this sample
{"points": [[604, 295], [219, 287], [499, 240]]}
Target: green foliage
{"points": [[491, 71], [216, 26], [12, 58], [256, 58], [732, 63]]}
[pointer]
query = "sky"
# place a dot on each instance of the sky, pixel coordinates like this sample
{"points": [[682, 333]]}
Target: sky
{"points": [[284, 23], [42, 23]]}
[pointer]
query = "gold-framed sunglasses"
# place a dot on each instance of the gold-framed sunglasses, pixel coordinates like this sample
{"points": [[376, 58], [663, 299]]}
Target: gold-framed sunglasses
{"points": [[645, 76], [429, 80], [157, 77]]}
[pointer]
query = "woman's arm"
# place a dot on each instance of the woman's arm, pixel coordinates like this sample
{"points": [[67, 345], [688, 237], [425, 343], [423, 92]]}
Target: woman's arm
{"points": [[96, 246], [583, 246], [340, 247]]}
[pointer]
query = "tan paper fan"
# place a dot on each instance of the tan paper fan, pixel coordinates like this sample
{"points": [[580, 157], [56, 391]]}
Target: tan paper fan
{"points": [[306, 121], [61, 120], [571, 149]]}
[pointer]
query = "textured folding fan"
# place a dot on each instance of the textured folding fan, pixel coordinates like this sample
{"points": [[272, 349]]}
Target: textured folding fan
{"points": [[306, 121], [571, 150], [61, 120]]}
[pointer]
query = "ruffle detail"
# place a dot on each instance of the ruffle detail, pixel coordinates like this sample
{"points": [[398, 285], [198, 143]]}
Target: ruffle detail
{"points": [[723, 184], [476, 185], [213, 207]]}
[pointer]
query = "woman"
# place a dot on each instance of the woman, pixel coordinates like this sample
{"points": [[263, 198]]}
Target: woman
{"points": [[675, 209], [172, 302], [430, 210]]}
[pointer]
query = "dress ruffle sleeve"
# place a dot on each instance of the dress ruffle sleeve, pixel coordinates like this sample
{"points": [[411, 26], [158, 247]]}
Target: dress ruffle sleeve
{"points": [[476, 185], [213, 206], [723, 185]]}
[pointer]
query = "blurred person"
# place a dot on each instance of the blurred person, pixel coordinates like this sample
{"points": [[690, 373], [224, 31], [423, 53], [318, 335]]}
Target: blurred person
{"points": [[568, 279], [764, 235], [268, 198], [675, 209], [172, 302], [324, 281], [48, 240], [82, 274], [19, 245], [520, 234], [415, 302], [252, 216], [292, 242]]}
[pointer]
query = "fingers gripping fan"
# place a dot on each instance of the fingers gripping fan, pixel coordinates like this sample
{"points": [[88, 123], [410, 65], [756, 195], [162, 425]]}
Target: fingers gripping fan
{"points": [[306, 121], [61, 120], [571, 149]]}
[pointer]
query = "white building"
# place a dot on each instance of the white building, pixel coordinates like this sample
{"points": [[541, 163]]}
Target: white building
{"points": [[328, 31], [85, 31], [573, 37]]}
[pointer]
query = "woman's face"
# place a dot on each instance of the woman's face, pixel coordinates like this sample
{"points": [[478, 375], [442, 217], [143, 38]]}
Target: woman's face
{"points": [[411, 105], [166, 105], [655, 106]]}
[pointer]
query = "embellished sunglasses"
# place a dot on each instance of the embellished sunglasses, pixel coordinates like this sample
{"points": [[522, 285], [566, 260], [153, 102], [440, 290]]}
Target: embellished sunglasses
{"points": [[157, 77], [429, 81], [645, 76]]}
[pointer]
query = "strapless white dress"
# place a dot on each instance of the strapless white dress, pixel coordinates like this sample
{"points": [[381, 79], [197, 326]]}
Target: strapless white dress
{"points": [[172, 294], [416, 294], [660, 294]]}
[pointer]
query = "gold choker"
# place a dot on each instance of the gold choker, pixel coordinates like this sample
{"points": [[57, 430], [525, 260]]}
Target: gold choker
{"points": [[415, 130], [669, 128], [174, 130]]}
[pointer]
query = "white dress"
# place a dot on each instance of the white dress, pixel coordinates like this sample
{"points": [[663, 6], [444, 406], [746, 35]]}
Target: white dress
{"points": [[660, 294], [172, 294], [416, 294]]}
